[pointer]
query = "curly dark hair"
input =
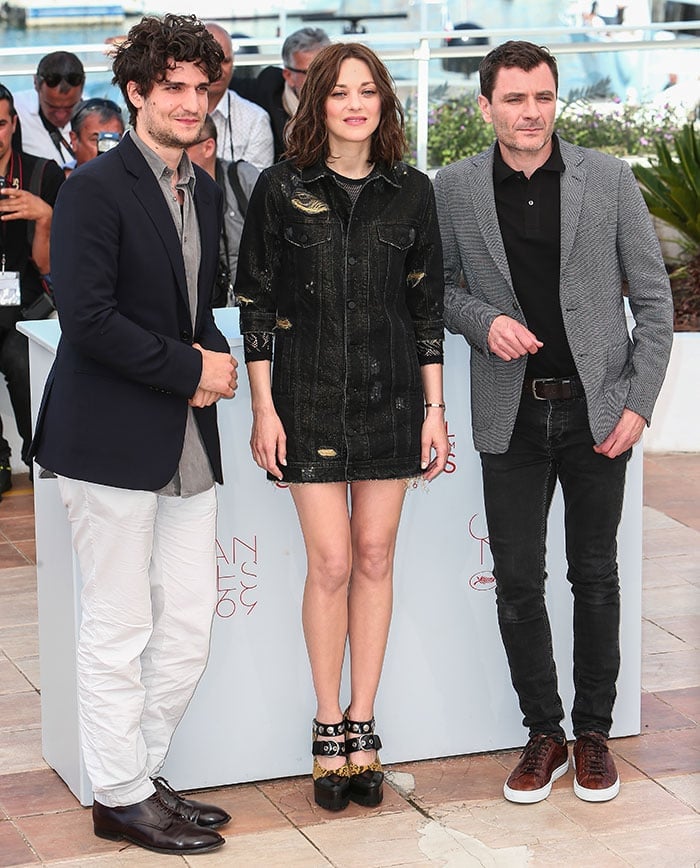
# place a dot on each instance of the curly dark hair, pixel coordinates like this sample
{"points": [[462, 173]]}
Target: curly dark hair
{"points": [[515, 53], [154, 45], [307, 132]]}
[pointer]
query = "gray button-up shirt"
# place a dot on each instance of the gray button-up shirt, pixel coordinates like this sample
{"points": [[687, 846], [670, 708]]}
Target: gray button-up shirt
{"points": [[194, 474]]}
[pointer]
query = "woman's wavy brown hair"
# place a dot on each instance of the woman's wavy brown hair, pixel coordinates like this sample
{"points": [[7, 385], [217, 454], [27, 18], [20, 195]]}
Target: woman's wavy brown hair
{"points": [[307, 132]]}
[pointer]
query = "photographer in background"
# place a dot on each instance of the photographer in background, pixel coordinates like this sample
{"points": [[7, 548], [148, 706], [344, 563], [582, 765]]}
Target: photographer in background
{"points": [[237, 181], [243, 128], [45, 112], [29, 187], [96, 126]]}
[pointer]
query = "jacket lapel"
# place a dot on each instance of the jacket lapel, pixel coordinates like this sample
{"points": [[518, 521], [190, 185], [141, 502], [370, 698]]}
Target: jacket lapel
{"points": [[148, 192], [573, 181], [485, 210], [208, 227]]}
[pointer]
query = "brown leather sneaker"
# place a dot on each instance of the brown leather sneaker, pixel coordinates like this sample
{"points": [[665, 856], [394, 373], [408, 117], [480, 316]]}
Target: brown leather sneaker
{"points": [[543, 760], [596, 778]]}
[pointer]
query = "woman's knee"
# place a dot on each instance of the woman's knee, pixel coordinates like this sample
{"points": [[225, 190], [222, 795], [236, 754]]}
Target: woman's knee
{"points": [[373, 559], [329, 572]]}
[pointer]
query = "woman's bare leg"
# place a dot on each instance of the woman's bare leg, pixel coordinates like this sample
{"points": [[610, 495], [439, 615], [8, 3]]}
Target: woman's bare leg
{"points": [[325, 523], [376, 511]]}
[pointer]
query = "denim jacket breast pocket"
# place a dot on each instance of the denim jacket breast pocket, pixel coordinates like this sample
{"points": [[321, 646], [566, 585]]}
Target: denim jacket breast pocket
{"points": [[395, 240], [308, 257]]}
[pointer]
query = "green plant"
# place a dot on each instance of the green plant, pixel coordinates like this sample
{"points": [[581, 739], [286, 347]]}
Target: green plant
{"points": [[671, 188], [671, 184], [456, 129], [586, 117]]}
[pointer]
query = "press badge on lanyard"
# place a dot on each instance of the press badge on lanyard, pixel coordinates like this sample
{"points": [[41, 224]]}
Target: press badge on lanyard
{"points": [[10, 295]]}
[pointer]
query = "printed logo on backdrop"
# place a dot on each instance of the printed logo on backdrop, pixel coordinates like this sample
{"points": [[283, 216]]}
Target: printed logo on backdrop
{"points": [[482, 579], [236, 576], [451, 463]]}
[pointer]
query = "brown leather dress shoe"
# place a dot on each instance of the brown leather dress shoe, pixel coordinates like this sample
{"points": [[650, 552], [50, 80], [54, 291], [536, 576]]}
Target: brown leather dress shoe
{"points": [[596, 778], [152, 825], [196, 812], [543, 760]]}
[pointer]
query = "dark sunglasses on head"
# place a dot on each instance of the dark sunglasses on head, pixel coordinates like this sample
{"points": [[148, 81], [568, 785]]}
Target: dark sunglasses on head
{"points": [[53, 79], [93, 105]]}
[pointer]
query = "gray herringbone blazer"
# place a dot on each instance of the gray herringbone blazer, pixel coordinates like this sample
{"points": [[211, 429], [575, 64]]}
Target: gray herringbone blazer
{"points": [[606, 236]]}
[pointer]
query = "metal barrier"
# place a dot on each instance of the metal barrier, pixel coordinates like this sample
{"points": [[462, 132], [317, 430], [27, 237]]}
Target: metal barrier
{"points": [[419, 49]]}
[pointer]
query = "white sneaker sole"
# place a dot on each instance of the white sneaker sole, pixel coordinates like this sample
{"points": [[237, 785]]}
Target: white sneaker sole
{"points": [[588, 795], [530, 797]]}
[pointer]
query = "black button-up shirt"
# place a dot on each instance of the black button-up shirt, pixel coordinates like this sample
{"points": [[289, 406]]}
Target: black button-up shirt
{"points": [[529, 216]]}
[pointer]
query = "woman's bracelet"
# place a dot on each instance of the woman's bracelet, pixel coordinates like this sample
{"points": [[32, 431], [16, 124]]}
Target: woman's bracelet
{"points": [[431, 404]]}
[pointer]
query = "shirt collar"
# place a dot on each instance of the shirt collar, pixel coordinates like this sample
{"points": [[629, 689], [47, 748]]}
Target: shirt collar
{"points": [[388, 173], [223, 106], [502, 171], [185, 172]]}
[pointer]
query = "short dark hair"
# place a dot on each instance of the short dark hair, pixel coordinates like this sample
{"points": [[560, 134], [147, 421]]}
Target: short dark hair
{"points": [[6, 94], [152, 47], [520, 54], [104, 108], [208, 130], [61, 69], [308, 130]]}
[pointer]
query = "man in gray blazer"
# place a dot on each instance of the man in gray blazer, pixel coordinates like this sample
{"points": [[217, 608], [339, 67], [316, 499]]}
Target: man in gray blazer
{"points": [[539, 239]]}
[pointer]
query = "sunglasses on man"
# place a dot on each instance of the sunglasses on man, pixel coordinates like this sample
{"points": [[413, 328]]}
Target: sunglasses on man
{"points": [[53, 79]]}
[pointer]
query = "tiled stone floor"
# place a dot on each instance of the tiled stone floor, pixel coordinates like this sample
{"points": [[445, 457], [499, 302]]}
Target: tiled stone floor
{"points": [[437, 813]]}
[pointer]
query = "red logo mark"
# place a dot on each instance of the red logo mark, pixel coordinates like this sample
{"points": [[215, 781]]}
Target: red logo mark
{"points": [[450, 465], [482, 581]]}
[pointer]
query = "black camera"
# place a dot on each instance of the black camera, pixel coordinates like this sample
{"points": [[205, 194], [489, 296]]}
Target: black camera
{"points": [[223, 286], [106, 141]]}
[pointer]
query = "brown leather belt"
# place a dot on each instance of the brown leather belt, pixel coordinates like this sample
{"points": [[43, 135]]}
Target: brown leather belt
{"points": [[554, 389]]}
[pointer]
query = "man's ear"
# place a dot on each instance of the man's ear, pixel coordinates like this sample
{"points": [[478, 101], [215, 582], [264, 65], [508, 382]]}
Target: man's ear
{"points": [[134, 94], [209, 147], [485, 107]]}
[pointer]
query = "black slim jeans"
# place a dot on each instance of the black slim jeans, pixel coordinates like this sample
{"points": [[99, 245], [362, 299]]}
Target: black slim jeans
{"points": [[14, 364], [552, 440]]}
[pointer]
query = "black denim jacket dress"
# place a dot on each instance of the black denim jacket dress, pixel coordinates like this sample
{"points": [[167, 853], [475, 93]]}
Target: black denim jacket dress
{"points": [[352, 297]]}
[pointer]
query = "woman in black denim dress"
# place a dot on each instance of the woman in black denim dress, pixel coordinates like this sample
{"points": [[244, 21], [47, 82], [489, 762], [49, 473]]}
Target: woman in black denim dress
{"points": [[340, 267]]}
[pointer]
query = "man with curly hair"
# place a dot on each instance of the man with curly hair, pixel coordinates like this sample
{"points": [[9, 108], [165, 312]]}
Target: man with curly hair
{"points": [[128, 425]]}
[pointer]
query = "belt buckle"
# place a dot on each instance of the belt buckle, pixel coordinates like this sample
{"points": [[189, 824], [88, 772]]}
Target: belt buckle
{"points": [[553, 381], [533, 389]]}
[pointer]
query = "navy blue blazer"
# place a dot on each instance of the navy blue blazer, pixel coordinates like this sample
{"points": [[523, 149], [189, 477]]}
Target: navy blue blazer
{"points": [[115, 403]]}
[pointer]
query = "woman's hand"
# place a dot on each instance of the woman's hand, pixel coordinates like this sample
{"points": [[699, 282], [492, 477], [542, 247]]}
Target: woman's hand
{"points": [[433, 437], [268, 442]]}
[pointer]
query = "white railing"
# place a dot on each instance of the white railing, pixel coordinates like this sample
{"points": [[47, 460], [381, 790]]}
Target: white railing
{"points": [[418, 48]]}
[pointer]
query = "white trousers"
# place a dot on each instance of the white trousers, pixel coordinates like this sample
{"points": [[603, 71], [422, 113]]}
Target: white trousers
{"points": [[148, 564]]}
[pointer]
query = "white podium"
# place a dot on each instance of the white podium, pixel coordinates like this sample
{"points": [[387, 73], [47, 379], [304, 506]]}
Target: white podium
{"points": [[445, 689]]}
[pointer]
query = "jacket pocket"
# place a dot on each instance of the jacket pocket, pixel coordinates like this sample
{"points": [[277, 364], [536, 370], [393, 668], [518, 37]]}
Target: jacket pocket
{"points": [[398, 235], [307, 234]]}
